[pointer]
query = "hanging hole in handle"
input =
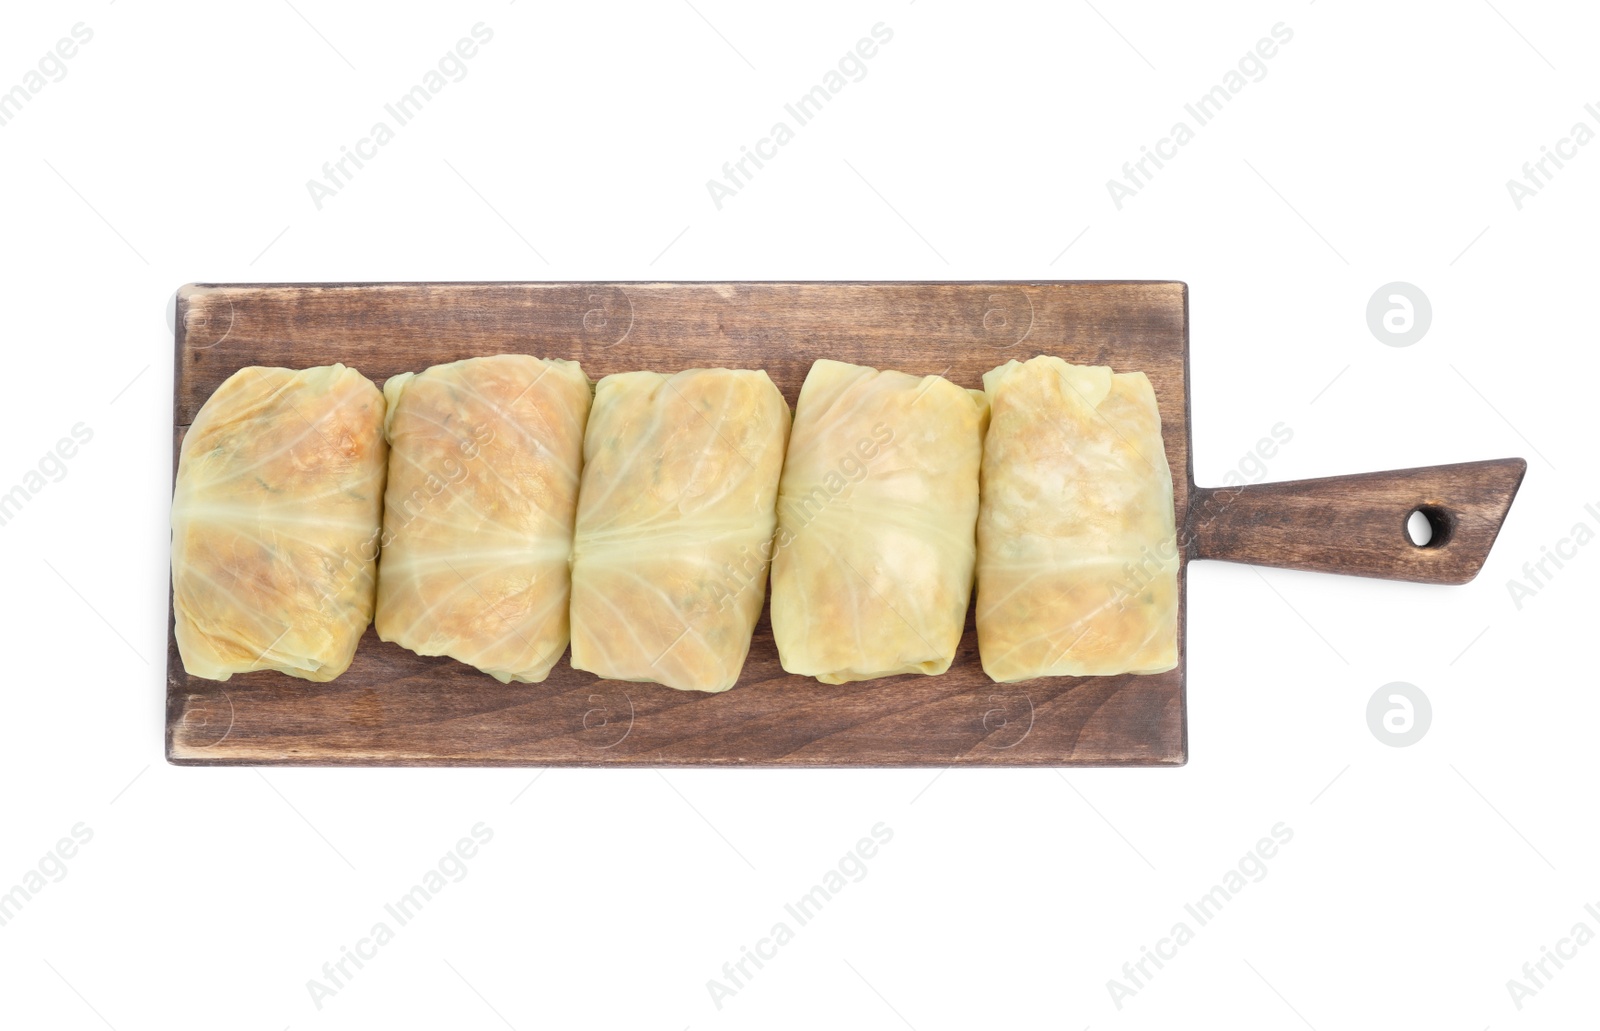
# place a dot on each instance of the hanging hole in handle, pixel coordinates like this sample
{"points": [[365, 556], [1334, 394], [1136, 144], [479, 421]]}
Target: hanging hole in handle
{"points": [[1429, 526]]}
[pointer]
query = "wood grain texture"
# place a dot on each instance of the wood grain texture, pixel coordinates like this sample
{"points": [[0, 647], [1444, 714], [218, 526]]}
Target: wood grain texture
{"points": [[396, 708], [1357, 524]]}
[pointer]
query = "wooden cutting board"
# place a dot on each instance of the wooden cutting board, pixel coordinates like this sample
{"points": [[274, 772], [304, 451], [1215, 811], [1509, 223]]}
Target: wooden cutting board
{"points": [[396, 708]]}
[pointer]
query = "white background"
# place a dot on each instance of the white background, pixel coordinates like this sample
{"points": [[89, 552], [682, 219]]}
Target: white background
{"points": [[1377, 148]]}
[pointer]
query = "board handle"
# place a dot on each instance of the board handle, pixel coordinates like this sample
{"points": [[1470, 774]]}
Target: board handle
{"points": [[1357, 524]]}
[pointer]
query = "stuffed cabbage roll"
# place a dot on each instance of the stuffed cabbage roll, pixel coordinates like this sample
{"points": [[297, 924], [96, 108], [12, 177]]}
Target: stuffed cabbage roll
{"points": [[484, 457], [1077, 551], [874, 553], [675, 520], [275, 520]]}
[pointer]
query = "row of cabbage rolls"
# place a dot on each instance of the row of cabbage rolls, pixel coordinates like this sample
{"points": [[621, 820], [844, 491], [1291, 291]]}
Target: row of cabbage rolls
{"points": [[498, 509]]}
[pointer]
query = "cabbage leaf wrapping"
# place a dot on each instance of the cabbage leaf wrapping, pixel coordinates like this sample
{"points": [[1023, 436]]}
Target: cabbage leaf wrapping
{"points": [[675, 522], [484, 460], [873, 564], [275, 520], [1077, 549]]}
